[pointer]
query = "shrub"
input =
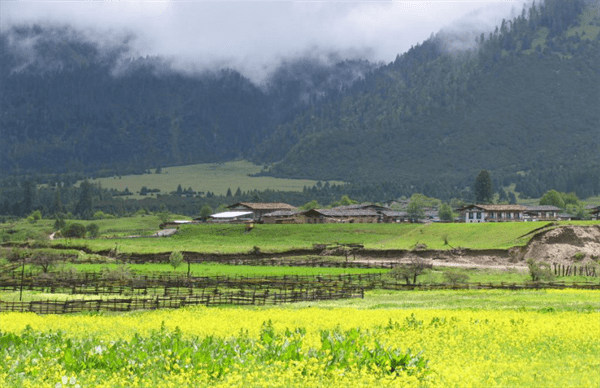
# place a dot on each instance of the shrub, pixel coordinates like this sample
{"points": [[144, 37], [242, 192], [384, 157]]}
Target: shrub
{"points": [[410, 271], [175, 259], [100, 215], [456, 277], [93, 230], [539, 270], [59, 223], [45, 259], [579, 256], [74, 231], [121, 273]]}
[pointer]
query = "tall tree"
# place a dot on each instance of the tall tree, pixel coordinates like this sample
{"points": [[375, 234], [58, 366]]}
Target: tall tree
{"points": [[445, 213], [483, 187], [415, 209], [28, 197], [553, 198], [84, 207]]}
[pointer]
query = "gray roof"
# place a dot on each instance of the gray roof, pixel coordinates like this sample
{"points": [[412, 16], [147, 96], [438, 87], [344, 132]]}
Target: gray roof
{"points": [[282, 213], [344, 213], [393, 213], [358, 206], [543, 208]]}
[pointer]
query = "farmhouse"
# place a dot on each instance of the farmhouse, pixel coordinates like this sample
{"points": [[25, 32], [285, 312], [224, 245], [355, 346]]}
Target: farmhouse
{"points": [[174, 224], [391, 216], [542, 213], [595, 213], [328, 216], [232, 216], [283, 217], [258, 209], [493, 213], [362, 206]]}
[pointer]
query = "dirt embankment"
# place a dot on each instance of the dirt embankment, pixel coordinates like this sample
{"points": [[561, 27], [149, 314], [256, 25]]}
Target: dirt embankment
{"points": [[558, 245], [566, 244]]}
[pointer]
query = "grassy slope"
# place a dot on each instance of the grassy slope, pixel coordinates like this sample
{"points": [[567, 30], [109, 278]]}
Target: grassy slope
{"points": [[277, 238], [216, 178]]}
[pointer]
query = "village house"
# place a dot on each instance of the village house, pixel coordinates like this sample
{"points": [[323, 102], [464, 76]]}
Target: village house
{"points": [[595, 213], [259, 209], [328, 216], [493, 213], [542, 213], [232, 217], [174, 224], [362, 206], [283, 217], [392, 216]]}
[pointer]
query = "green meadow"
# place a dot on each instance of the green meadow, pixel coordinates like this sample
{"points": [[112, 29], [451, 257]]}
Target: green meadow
{"points": [[213, 177], [214, 238]]}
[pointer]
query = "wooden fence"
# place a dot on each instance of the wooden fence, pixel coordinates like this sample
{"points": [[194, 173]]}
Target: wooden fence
{"points": [[574, 270], [265, 297]]}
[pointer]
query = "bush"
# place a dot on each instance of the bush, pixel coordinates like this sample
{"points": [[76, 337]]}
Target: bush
{"points": [[410, 271], [456, 277], [175, 259], [59, 223], [93, 230], [74, 231], [45, 259], [100, 215], [121, 273], [539, 270], [579, 256]]}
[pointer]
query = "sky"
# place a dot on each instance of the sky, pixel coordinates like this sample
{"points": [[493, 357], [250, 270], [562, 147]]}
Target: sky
{"points": [[254, 37]]}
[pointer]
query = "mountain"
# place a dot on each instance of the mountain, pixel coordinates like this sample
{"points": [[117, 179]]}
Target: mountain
{"points": [[523, 104], [69, 104]]}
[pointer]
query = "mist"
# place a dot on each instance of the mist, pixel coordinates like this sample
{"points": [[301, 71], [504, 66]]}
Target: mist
{"points": [[257, 37]]}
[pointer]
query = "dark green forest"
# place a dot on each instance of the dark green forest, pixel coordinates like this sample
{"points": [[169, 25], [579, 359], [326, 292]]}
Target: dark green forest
{"points": [[523, 105], [521, 102], [73, 106]]}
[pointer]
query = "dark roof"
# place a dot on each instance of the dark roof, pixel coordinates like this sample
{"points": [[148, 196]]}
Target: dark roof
{"points": [[497, 208], [282, 213], [361, 206], [263, 205], [543, 208], [341, 213], [393, 213]]}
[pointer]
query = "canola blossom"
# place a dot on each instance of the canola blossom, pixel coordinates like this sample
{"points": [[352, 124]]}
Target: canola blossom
{"points": [[302, 347]]}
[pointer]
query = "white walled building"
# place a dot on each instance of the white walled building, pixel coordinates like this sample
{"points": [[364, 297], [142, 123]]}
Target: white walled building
{"points": [[493, 213]]}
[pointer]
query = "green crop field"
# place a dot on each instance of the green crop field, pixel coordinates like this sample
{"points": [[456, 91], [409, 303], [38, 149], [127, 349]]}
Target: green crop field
{"points": [[212, 238], [213, 177]]}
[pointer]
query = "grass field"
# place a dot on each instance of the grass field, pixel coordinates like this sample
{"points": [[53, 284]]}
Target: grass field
{"points": [[141, 225], [211, 238], [389, 339], [213, 177], [213, 269]]}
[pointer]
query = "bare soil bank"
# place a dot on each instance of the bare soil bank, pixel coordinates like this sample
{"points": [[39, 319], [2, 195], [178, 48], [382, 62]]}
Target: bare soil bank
{"points": [[556, 245]]}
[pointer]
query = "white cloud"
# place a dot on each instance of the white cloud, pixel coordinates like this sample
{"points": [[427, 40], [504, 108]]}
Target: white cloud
{"points": [[254, 36]]}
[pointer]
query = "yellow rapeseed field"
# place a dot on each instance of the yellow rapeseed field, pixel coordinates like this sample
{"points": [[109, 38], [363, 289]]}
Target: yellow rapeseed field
{"points": [[464, 347]]}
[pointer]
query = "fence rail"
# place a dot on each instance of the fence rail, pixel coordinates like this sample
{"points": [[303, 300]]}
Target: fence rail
{"points": [[207, 299], [572, 270]]}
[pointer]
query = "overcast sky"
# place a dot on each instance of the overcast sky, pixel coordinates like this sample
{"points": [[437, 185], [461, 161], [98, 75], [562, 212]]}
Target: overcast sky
{"points": [[254, 36]]}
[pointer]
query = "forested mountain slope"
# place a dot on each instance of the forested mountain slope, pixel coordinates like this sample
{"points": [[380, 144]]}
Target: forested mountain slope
{"points": [[69, 103], [526, 101], [521, 102]]}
